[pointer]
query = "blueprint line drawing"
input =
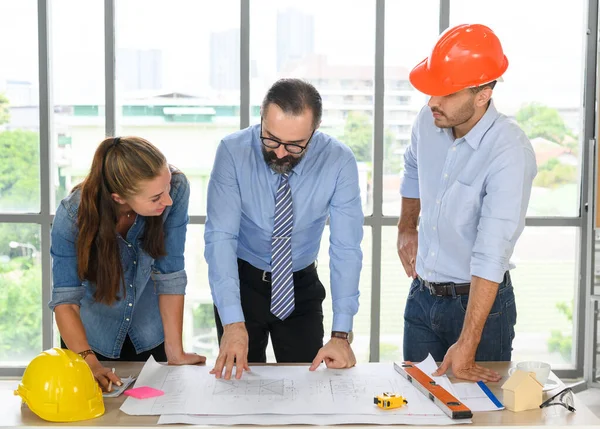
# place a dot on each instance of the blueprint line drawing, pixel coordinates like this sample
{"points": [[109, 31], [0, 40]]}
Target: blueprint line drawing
{"points": [[274, 387], [281, 390], [345, 388]]}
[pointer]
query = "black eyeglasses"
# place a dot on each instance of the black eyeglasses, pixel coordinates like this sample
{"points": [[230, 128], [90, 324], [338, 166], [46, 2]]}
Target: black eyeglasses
{"points": [[292, 148], [564, 398]]}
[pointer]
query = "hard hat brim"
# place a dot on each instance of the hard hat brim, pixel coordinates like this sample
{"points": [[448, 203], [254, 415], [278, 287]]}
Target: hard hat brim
{"points": [[432, 84]]}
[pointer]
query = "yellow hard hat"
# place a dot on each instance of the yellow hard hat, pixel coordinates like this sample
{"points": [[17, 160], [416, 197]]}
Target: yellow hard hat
{"points": [[59, 386]]}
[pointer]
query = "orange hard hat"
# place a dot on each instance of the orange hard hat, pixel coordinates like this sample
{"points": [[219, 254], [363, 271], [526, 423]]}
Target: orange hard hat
{"points": [[464, 56]]}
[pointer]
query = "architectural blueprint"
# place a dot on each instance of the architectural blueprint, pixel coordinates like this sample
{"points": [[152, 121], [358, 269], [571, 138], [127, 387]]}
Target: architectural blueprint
{"points": [[284, 390]]}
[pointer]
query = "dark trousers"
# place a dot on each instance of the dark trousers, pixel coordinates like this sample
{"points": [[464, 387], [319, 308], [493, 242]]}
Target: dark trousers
{"points": [[129, 354], [299, 337], [432, 324]]}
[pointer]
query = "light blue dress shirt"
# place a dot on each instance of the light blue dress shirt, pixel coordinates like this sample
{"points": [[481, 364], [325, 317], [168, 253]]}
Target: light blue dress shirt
{"points": [[474, 193], [136, 313], [241, 208]]}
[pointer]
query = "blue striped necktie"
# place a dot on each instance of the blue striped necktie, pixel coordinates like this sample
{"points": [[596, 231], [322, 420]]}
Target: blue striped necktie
{"points": [[282, 279]]}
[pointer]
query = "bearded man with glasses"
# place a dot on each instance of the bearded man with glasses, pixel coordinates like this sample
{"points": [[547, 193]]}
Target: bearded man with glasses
{"points": [[272, 188]]}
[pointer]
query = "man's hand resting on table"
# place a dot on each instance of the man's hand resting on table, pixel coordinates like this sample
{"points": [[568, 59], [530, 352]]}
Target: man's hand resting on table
{"points": [[233, 351]]}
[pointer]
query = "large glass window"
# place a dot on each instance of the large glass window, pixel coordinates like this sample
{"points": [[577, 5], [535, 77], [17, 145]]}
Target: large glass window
{"points": [[545, 277], [78, 88], [20, 293], [404, 21], [320, 42], [541, 88], [178, 84], [362, 320], [178, 80], [19, 108], [199, 329]]}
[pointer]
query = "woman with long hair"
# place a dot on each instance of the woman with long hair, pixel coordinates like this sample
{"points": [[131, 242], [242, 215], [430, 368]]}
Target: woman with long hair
{"points": [[118, 266]]}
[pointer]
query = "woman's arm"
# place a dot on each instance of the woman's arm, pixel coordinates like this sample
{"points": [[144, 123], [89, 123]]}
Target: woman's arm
{"points": [[72, 333], [170, 278]]}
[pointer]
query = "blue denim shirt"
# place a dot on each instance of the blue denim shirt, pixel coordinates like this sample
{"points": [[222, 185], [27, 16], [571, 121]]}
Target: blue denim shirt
{"points": [[137, 314]]}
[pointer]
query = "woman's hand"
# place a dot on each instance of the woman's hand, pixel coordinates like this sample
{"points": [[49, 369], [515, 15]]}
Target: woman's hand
{"points": [[184, 358], [104, 376]]}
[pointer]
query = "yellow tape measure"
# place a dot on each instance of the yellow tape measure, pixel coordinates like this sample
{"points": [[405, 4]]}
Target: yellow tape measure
{"points": [[387, 401]]}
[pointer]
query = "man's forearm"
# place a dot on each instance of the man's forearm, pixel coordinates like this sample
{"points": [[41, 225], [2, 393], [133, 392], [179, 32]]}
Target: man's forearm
{"points": [[481, 298], [345, 270], [223, 274], [409, 217]]}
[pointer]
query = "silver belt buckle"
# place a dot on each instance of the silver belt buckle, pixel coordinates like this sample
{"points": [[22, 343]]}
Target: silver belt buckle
{"points": [[432, 291], [426, 284], [264, 277]]}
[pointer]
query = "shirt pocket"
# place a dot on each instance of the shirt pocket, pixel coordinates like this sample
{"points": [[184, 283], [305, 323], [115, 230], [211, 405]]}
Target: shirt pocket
{"points": [[461, 204], [145, 262]]}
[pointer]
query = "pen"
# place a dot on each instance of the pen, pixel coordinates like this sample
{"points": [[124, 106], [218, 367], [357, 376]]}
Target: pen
{"points": [[110, 382]]}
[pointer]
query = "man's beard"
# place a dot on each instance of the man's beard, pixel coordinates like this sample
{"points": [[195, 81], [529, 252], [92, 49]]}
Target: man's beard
{"points": [[464, 113], [281, 165]]}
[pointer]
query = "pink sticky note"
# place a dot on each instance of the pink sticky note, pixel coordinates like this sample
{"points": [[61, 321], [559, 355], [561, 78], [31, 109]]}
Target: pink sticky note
{"points": [[143, 392]]}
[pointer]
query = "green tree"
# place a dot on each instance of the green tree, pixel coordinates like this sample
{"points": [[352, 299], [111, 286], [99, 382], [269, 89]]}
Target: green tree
{"points": [[20, 309], [204, 317], [20, 277], [545, 122], [358, 135], [19, 169], [542, 121], [20, 233], [553, 173], [4, 112], [19, 184], [558, 342]]}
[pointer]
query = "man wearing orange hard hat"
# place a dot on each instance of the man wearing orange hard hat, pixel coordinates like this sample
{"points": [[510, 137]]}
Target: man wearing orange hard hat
{"points": [[468, 175]]}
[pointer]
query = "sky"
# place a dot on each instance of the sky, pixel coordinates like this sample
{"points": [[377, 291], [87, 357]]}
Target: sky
{"points": [[543, 40]]}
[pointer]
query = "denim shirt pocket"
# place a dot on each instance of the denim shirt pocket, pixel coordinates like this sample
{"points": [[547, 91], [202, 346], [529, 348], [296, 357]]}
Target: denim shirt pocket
{"points": [[461, 204], [145, 262]]}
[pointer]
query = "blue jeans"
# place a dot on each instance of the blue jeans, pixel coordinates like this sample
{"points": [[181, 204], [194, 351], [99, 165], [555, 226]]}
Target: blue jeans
{"points": [[432, 324]]}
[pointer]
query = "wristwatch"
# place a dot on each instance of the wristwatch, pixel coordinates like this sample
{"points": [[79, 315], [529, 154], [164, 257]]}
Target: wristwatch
{"points": [[348, 336], [85, 353]]}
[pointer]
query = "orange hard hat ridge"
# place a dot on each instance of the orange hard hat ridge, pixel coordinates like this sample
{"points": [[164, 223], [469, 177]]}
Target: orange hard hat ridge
{"points": [[464, 56]]}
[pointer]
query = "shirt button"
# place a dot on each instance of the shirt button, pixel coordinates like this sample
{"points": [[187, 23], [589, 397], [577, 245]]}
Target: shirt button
{"points": [[434, 228], [454, 148], [437, 201], [134, 262], [129, 245], [445, 175], [430, 273], [130, 304], [127, 320], [432, 253], [130, 285]]}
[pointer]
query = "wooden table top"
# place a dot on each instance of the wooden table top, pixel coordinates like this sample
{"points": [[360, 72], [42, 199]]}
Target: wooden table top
{"points": [[14, 414]]}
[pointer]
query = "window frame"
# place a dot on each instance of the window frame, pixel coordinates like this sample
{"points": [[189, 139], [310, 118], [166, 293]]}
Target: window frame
{"points": [[585, 300]]}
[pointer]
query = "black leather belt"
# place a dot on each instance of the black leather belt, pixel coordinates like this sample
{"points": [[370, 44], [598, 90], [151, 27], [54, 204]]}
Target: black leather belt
{"points": [[446, 289], [265, 276]]}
